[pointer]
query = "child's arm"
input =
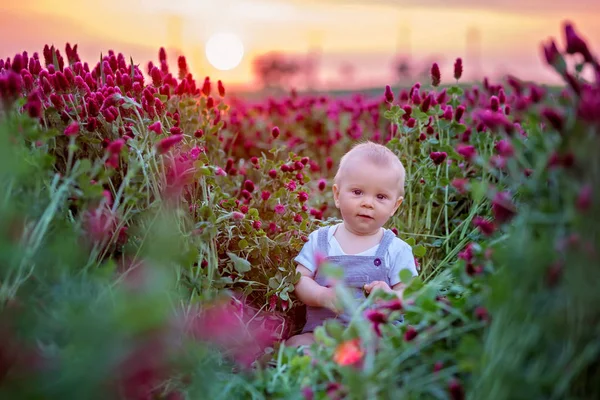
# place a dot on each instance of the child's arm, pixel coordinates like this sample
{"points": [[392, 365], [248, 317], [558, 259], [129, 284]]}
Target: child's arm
{"points": [[312, 294]]}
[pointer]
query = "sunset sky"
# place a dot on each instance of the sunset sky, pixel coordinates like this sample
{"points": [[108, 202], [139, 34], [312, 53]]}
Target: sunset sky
{"points": [[364, 34]]}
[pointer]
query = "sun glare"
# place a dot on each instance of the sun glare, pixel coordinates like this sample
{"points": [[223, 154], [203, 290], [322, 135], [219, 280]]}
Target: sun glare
{"points": [[224, 51]]}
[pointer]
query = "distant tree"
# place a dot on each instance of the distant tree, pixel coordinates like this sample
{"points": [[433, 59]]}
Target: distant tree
{"points": [[276, 70]]}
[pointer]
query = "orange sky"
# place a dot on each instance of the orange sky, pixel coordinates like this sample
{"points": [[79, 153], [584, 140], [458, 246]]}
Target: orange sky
{"points": [[363, 33]]}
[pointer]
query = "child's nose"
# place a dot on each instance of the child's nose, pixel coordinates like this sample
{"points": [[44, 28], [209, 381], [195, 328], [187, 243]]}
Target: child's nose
{"points": [[367, 201]]}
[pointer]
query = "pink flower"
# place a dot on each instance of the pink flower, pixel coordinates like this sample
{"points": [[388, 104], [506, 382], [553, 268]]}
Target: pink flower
{"points": [[584, 198], [220, 172], [503, 207], [467, 253], [392, 305], [389, 95], [460, 185], [256, 225], [486, 227], [322, 184], [265, 195], [221, 88], [410, 334], [575, 44], [115, 146], [72, 129], [291, 186], [504, 148], [164, 145], [551, 53], [494, 103], [302, 196], [275, 132], [460, 110], [279, 209], [376, 318], [467, 151], [273, 173], [328, 163], [456, 390], [482, 314], [249, 185], [435, 75], [156, 127], [438, 157], [494, 120], [554, 118], [236, 215], [458, 68]]}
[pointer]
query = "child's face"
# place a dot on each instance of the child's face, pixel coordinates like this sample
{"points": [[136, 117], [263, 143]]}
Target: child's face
{"points": [[367, 196]]}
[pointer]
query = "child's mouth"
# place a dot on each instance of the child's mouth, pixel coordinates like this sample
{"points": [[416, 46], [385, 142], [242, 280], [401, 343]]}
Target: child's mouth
{"points": [[365, 216]]}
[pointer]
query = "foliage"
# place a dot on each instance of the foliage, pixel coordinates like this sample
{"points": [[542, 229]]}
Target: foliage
{"points": [[149, 230]]}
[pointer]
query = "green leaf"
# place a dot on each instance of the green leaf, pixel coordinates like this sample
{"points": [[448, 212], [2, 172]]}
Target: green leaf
{"points": [[410, 241], [334, 329], [273, 283], [406, 276], [241, 265], [455, 90], [419, 251], [332, 271], [242, 244]]}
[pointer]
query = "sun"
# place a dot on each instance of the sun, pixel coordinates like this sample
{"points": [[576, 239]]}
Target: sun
{"points": [[224, 51]]}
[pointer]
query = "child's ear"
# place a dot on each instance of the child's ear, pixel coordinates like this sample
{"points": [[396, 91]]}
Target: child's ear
{"points": [[336, 195], [398, 203]]}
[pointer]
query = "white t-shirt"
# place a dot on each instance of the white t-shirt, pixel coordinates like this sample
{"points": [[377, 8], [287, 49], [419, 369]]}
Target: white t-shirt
{"points": [[398, 257]]}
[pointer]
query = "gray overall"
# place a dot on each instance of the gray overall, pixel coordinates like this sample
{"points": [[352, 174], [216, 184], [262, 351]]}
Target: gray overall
{"points": [[358, 271]]}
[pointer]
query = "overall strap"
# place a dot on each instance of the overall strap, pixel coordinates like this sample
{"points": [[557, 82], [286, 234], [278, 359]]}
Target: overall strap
{"points": [[322, 242], [385, 243]]}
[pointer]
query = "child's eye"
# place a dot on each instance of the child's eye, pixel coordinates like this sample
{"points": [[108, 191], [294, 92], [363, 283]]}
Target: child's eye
{"points": [[381, 196], [357, 192]]}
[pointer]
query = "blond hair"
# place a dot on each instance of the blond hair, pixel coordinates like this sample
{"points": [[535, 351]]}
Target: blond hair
{"points": [[378, 155]]}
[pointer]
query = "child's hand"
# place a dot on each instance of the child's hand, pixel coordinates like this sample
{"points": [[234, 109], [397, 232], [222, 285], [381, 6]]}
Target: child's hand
{"points": [[329, 300], [375, 285]]}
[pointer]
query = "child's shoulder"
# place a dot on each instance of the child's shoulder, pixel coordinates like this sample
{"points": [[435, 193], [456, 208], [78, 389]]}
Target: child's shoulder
{"points": [[398, 245]]}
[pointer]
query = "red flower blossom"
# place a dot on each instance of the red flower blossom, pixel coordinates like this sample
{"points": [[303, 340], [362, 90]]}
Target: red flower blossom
{"points": [[458, 68], [389, 95], [164, 145], [302, 196], [438, 157], [155, 127], [467, 151], [410, 334], [435, 75], [265, 195], [460, 185], [249, 185], [486, 227], [584, 198], [504, 148], [275, 132], [348, 353], [322, 184], [575, 44], [115, 146], [279, 209], [456, 390], [503, 207], [72, 129]]}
